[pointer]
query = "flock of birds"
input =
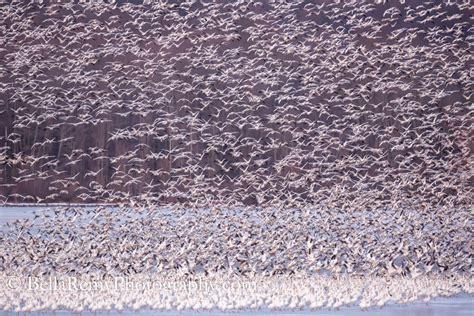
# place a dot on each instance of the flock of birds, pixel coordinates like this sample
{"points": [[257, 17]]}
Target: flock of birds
{"points": [[214, 295], [246, 258], [108, 242], [253, 140], [266, 103]]}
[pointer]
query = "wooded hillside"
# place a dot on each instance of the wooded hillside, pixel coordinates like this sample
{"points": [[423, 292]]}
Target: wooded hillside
{"points": [[352, 104]]}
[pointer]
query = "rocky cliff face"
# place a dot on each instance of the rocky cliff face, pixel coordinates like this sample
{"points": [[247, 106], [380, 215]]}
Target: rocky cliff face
{"points": [[352, 104]]}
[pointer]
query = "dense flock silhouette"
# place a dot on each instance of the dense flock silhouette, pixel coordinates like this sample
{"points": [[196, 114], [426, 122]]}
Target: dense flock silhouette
{"points": [[270, 103], [321, 142]]}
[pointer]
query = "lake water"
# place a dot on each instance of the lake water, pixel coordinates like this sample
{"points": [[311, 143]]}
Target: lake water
{"points": [[462, 304], [454, 306]]}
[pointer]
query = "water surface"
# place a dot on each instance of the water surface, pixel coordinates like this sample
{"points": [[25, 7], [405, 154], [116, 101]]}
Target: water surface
{"points": [[462, 304]]}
